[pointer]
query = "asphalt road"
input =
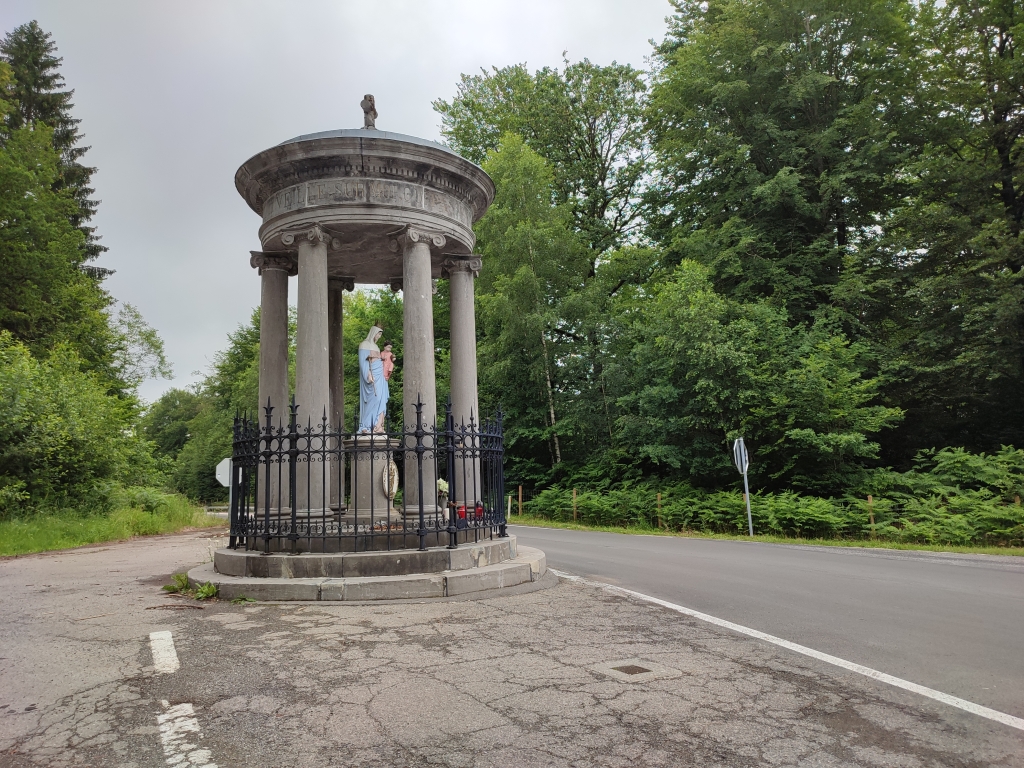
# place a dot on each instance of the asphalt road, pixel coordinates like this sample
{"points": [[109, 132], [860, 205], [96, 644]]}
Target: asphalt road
{"points": [[100, 667], [951, 622]]}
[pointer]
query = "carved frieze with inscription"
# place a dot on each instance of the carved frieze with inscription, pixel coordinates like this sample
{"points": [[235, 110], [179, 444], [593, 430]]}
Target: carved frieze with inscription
{"points": [[333, 192], [437, 202]]}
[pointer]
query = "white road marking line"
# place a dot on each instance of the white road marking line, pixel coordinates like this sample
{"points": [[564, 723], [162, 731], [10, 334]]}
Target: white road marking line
{"points": [[178, 726], [945, 698], [165, 659]]}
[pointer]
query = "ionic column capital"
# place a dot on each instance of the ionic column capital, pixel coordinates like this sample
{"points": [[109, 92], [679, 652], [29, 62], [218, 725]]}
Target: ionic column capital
{"points": [[472, 264], [283, 261], [346, 283], [314, 234], [413, 235]]}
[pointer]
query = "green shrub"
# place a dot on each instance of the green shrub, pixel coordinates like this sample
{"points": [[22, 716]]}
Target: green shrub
{"points": [[195, 466], [66, 441], [953, 497]]}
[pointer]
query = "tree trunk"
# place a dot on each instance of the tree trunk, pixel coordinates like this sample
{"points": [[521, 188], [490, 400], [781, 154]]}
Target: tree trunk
{"points": [[551, 397]]}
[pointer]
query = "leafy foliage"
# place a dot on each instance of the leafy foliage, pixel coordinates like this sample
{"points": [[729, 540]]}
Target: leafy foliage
{"points": [[940, 291], [821, 252], [776, 126], [586, 121], [927, 506], [705, 368], [65, 440], [206, 591], [179, 583], [45, 298], [38, 98], [69, 368], [534, 266]]}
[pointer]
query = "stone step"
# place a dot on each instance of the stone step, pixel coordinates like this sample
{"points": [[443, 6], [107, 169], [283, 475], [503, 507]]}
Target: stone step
{"points": [[399, 562], [529, 565]]}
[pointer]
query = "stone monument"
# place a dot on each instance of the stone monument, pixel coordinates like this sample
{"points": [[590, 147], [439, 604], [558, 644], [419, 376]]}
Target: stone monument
{"points": [[363, 206], [369, 112]]}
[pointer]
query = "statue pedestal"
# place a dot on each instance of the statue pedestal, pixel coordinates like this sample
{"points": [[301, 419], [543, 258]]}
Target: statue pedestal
{"points": [[373, 478]]}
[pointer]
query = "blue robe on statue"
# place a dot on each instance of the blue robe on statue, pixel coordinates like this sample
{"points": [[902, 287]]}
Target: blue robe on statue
{"points": [[373, 397]]}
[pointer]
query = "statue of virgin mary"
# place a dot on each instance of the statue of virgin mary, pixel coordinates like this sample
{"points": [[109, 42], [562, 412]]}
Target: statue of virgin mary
{"points": [[373, 387]]}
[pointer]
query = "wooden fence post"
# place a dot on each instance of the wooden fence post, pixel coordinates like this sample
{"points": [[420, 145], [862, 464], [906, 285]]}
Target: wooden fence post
{"points": [[871, 514], [520, 500], [574, 504]]}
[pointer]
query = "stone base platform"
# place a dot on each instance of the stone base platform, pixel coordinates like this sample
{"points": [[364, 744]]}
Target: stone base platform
{"points": [[394, 575], [345, 537], [527, 565], [397, 562]]}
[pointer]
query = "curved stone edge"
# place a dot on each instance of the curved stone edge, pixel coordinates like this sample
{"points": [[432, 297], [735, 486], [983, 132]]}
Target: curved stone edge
{"points": [[390, 156], [529, 565], [403, 562]]}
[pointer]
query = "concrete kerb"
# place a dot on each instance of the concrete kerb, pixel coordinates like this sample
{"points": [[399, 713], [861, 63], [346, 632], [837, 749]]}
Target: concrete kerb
{"points": [[529, 565]]}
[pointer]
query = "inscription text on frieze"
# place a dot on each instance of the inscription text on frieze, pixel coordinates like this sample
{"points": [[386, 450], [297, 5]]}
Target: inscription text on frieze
{"points": [[361, 191], [436, 202]]}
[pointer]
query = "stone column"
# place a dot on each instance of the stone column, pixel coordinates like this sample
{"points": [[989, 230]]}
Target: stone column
{"points": [[461, 274], [312, 362], [274, 270], [418, 373], [461, 277], [336, 414]]}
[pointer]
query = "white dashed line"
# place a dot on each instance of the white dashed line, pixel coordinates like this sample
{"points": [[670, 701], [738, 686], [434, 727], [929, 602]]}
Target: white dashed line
{"points": [[178, 724], [165, 659], [178, 728], [945, 698]]}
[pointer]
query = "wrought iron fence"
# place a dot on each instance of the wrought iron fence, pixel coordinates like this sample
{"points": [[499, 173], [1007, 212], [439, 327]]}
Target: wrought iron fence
{"points": [[316, 489]]}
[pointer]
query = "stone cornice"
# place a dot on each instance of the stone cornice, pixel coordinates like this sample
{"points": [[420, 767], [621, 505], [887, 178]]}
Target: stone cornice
{"points": [[355, 155]]}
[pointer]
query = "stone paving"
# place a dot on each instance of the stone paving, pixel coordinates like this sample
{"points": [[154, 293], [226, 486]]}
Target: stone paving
{"points": [[523, 678]]}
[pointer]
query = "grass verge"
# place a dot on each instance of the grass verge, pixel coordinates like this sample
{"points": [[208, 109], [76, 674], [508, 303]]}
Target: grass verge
{"points": [[67, 529], [543, 522]]}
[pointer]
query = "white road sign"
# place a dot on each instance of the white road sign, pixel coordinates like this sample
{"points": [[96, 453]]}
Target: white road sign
{"points": [[224, 473]]}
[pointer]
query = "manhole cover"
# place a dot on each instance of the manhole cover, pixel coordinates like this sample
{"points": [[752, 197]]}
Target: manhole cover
{"points": [[635, 671], [631, 669]]}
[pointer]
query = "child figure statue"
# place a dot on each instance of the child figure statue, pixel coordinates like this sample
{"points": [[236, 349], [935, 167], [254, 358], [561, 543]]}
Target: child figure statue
{"points": [[388, 358]]}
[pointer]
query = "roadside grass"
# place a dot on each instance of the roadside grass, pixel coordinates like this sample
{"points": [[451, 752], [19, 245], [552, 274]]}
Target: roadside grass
{"points": [[642, 530], [66, 529]]}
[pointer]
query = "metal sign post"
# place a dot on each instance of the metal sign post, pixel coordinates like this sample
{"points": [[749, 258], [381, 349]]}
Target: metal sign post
{"points": [[742, 460]]}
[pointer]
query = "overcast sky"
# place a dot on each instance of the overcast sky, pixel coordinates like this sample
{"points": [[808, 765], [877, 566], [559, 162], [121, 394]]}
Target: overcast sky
{"points": [[174, 96]]}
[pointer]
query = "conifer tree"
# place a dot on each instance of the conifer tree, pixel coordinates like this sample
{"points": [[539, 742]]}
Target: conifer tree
{"points": [[39, 96]]}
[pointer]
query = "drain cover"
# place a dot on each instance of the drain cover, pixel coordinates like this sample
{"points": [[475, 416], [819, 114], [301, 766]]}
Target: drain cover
{"points": [[631, 669], [635, 670]]}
